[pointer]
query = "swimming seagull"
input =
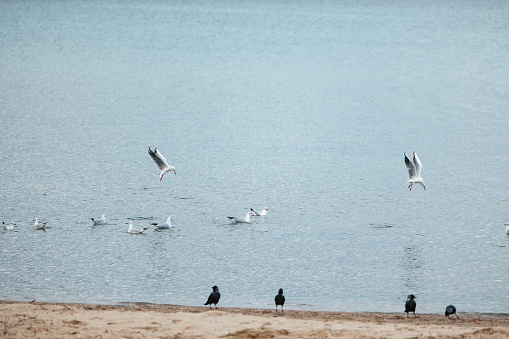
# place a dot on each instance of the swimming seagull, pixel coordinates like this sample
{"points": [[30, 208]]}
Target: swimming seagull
{"points": [[246, 220], [39, 226], [161, 162], [450, 310], [414, 171], [100, 221], [410, 305], [262, 213], [506, 227], [165, 225], [9, 227], [133, 230], [213, 297], [280, 299]]}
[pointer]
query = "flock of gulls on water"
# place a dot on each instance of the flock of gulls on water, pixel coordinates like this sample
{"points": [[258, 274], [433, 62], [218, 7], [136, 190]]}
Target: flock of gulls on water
{"points": [[414, 177]]}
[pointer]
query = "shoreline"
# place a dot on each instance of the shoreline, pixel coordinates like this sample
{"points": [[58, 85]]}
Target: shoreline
{"points": [[140, 320]]}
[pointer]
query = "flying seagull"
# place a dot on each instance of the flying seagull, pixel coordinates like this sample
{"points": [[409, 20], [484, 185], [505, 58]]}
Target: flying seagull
{"points": [[262, 213], [414, 171], [280, 299], [100, 221], [410, 305], [449, 310], [213, 297], [246, 220], [161, 162]]}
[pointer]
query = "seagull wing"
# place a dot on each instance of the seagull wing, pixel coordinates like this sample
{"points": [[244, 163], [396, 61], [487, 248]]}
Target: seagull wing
{"points": [[411, 167], [418, 165], [158, 158]]}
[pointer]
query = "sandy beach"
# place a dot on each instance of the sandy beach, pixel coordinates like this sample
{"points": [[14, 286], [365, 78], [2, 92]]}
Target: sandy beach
{"points": [[64, 320]]}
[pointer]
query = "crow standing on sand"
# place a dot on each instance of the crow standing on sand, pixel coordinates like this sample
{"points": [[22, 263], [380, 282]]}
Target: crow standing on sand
{"points": [[280, 299], [450, 310], [410, 305], [213, 297]]}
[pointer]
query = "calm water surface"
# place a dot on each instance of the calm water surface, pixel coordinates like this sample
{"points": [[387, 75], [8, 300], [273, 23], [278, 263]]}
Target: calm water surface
{"points": [[304, 107]]}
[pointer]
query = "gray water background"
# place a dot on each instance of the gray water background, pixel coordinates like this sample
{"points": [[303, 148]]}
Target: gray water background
{"points": [[303, 106]]}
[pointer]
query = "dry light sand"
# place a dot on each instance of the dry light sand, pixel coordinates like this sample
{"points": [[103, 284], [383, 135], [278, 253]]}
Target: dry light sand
{"points": [[55, 320]]}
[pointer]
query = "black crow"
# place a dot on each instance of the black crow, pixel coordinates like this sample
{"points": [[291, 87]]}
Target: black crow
{"points": [[410, 305], [450, 310], [213, 297], [280, 299]]}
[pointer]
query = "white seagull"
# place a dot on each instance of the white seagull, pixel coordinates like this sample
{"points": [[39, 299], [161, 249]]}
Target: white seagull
{"points": [[39, 226], [414, 171], [262, 213], [246, 220], [9, 227], [101, 221], [161, 162], [506, 227], [133, 230], [165, 225]]}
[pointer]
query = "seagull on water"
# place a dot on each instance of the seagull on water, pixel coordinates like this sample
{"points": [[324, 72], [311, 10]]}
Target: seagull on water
{"points": [[410, 305], [506, 227], [161, 162], [213, 297], [39, 226], [414, 171], [165, 225], [449, 310], [100, 221], [246, 220], [280, 299], [262, 213], [133, 230], [9, 227]]}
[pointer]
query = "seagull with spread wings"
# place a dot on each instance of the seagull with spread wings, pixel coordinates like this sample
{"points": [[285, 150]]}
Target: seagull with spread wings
{"points": [[161, 162], [414, 171]]}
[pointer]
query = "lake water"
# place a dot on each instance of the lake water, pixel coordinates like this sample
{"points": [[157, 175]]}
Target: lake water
{"points": [[305, 107]]}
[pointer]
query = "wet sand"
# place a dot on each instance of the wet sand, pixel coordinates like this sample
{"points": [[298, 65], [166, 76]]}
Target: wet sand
{"points": [[65, 320]]}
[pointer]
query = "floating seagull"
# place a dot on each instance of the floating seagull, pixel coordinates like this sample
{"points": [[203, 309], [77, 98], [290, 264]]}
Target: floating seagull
{"points": [[161, 162], [213, 297], [133, 230], [39, 226], [246, 220], [410, 305], [414, 171], [101, 221], [450, 310], [262, 213], [506, 227], [9, 227], [166, 225], [280, 299]]}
